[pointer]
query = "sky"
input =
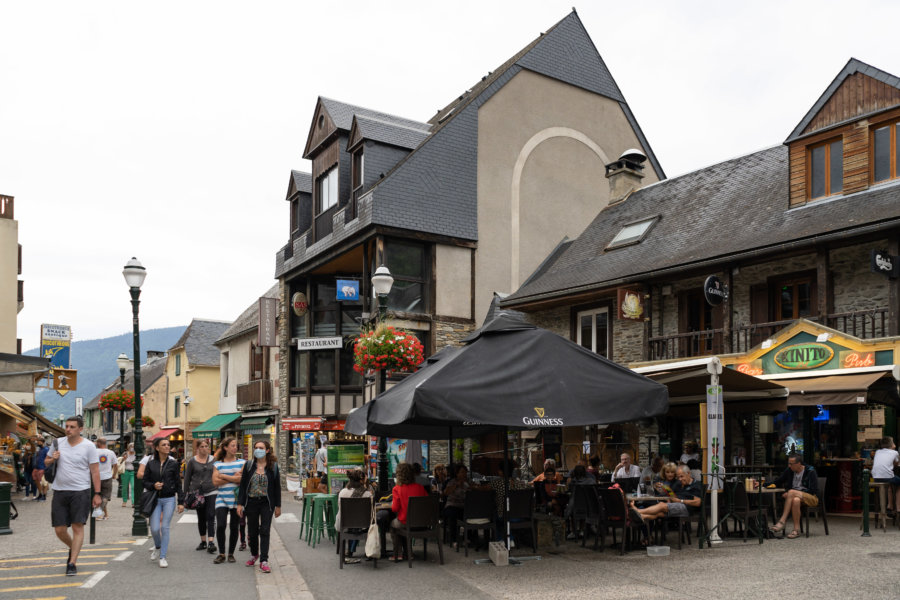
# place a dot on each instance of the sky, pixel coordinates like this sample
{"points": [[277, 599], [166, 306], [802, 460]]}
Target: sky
{"points": [[167, 131]]}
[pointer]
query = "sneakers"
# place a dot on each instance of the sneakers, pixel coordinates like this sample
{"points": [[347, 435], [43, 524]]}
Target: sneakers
{"points": [[201, 546], [242, 547], [231, 558], [154, 554], [71, 570], [264, 567], [252, 561], [163, 563], [211, 547], [219, 559]]}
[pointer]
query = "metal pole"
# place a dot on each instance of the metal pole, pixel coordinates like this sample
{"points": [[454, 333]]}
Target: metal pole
{"points": [[382, 440], [865, 503], [121, 427], [138, 524]]}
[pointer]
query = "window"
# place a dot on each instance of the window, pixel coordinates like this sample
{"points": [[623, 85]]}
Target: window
{"points": [[826, 169], [632, 233], [592, 330], [358, 169], [795, 298], [178, 364], [225, 370], [406, 261], [885, 154], [177, 406], [328, 191]]}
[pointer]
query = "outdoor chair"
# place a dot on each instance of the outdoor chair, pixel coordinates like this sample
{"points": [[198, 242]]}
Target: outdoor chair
{"points": [[422, 521], [741, 512], [478, 514], [818, 510], [616, 514], [356, 516], [586, 512], [629, 485], [521, 514]]}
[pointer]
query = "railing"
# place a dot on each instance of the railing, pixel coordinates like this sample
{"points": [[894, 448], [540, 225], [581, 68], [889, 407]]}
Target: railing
{"points": [[746, 337], [686, 345], [865, 324], [256, 394], [325, 223]]}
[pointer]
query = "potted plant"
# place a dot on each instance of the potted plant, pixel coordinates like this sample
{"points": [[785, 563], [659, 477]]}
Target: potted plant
{"points": [[145, 421], [118, 400], [388, 348]]}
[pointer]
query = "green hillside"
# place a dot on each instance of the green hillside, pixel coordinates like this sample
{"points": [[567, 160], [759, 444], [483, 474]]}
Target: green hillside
{"points": [[95, 361]]}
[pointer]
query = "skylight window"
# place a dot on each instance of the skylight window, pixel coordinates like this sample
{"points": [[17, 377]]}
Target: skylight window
{"points": [[632, 233]]}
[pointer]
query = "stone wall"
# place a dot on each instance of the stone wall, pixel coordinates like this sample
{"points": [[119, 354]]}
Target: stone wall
{"points": [[557, 320], [856, 287], [283, 356], [449, 333]]}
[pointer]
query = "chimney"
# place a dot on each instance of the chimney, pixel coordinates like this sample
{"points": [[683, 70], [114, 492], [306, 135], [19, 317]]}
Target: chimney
{"points": [[625, 174], [154, 354]]}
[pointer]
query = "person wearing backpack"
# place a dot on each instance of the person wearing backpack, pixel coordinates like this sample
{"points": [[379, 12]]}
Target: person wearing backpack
{"points": [[259, 497]]}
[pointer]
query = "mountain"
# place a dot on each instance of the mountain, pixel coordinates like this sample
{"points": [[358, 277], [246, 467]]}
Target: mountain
{"points": [[95, 361]]}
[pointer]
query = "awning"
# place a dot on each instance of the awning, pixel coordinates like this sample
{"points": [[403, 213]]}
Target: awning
{"points": [[255, 424], [831, 389], [11, 410], [164, 433], [212, 428]]}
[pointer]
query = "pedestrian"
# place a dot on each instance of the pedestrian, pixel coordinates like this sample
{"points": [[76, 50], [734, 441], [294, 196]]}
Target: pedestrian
{"points": [[128, 475], [28, 468], [161, 474], [107, 460], [77, 472], [198, 479], [259, 497], [321, 459], [227, 477], [39, 465]]}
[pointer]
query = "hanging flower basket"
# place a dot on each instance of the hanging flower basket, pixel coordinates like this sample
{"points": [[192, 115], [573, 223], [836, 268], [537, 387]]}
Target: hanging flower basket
{"points": [[386, 347], [117, 400], [145, 421]]}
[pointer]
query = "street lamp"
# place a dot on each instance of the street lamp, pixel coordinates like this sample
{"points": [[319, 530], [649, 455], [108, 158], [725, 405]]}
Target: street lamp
{"points": [[381, 283], [135, 273], [123, 362]]}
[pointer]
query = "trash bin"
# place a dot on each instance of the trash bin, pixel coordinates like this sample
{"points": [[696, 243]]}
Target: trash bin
{"points": [[5, 504]]}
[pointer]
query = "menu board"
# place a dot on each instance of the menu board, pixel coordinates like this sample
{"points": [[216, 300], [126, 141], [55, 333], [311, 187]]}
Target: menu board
{"points": [[873, 433], [878, 416], [864, 417], [341, 459]]}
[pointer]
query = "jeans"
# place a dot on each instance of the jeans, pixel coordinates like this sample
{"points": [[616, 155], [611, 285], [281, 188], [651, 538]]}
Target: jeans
{"points": [[227, 516], [30, 485], [160, 531], [206, 519], [259, 523], [127, 483]]}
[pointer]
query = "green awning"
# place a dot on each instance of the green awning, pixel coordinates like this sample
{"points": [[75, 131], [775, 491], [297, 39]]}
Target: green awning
{"points": [[212, 428], [255, 424]]}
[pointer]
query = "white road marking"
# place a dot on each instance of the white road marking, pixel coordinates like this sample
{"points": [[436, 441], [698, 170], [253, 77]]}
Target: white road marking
{"points": [[124, 555], [141, 541], [94, 579], [188, 518], [287, 518]]}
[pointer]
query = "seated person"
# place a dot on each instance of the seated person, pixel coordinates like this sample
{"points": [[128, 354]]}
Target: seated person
{"points": [[551, 497], [802, 485], [594, 468], [652, 471], [422, 478], [405, 489], [883, 464], [439, 478], [357, 487], [580, 476], [686, 499], [664, 485], [499, 485], [455, 493], [625, 468], [549, 464]]}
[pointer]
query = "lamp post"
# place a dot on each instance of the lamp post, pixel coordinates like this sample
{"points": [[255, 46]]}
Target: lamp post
{"points": [[381, 283], [135, 273], [123, 362]]}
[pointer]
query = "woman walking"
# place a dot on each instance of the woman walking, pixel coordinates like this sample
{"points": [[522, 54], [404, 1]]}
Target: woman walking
{"points": [[259, 497], [198, 479], [227, 476], [28, 467], [127, 482], [161, 474]]}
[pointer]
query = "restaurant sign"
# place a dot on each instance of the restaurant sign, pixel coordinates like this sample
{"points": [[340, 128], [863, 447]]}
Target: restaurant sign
{"points": [[320, 343], [803, 356], [853, 360], [714, 291], [631, 304]]}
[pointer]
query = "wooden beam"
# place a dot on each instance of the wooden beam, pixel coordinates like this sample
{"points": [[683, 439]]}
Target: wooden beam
{"points": [[824, 291]]}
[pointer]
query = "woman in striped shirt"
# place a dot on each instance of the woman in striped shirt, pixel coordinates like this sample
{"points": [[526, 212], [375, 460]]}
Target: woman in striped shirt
{"points": [[227, 476]]}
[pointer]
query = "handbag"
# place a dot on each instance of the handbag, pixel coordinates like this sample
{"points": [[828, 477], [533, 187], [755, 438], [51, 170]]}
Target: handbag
{"points": [[194, 500], [50, 471], [373, 539], [151, 497]]}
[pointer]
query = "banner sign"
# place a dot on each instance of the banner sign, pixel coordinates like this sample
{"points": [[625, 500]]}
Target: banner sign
{"points": [[347, 289], [56, 342], [715, 430], [265, 333], [320, 343], [312, 424], [343, 458]]}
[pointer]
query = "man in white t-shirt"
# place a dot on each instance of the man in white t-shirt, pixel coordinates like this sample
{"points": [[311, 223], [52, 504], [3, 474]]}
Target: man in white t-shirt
{"points": [[883, 464], [625, 470], [107, 460], [77, 473], [321, 459]]}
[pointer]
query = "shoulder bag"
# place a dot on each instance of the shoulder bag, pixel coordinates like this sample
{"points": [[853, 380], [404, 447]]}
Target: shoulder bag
{"points": [[149, 498], [373, 539], [50, 471]]}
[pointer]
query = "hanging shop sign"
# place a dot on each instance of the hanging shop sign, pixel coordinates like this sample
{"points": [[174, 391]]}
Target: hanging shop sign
{"points": [[266, 328], [320, 343], [714, 291], [715, 429], [299, 304], [312, 424], [804, 356], [347, 289], [56, 341], [631, 304], [885, 263]]}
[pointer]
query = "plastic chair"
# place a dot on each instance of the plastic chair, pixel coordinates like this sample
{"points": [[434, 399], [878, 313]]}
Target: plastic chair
{"points": [[356, 516], [818, 510], [478, 514], [422, 521]]}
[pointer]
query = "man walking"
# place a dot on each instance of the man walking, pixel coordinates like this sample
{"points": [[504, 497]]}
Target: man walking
{"points": [[77, 472], [107, 460]]}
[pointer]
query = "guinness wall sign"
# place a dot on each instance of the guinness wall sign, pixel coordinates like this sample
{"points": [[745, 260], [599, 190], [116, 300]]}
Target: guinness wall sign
{"points": [[714, 292]]}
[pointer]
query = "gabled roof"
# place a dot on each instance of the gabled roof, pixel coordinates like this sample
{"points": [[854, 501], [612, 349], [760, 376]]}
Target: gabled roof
{"points": [[249, 319], [852, 67], [198, 342], [385, 132], [708, 218], [300, 182], [150, 373]]}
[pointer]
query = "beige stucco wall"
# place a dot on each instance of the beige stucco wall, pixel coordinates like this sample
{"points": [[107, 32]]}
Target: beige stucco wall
{"points": [[542, 149], [235, 369], [453, 281], [202, 383], [9, 291]]}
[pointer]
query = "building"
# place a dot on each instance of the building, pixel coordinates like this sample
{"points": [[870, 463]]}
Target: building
{"points": [[783, 263], [458, 207], [192, 373]]}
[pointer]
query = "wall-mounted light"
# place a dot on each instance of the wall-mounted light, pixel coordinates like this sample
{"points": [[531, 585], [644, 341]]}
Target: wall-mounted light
{"points": [[767, 343]]}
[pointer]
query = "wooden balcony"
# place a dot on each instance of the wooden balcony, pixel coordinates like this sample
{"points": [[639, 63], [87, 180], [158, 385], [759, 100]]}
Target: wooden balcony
{"points": [[686, 345], [256, 394]]}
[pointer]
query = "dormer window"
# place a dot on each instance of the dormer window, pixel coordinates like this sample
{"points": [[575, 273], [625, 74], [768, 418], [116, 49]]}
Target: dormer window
{"points": [[885, 152], [826, 169], [358, 169], [327, 191], [632, 233]]}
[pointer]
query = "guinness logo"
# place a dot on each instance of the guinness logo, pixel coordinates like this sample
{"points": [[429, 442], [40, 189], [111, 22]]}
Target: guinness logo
{"points": [[539, 411]]}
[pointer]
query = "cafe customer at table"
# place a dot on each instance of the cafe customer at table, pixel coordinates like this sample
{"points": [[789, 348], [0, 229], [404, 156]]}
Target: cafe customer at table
{"points": [[549, 467], [686, 500], [665, 484], [883, 463], [405, 489], [625, 469], [802, 489], [653, 471]]}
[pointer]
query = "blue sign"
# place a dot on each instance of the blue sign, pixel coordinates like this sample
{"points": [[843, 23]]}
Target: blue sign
{"points": [[347, 289]]}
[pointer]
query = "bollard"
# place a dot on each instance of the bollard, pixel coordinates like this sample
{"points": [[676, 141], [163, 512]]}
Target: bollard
{"points": [[865, 503], [5, 504]]}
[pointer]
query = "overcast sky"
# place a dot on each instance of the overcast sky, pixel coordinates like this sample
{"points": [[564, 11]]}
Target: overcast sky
{"points": [[167, 130]]}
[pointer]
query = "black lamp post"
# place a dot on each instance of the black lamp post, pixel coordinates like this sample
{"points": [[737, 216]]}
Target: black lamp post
{"points": [[123, 362], [135, 273], [381, 283]]}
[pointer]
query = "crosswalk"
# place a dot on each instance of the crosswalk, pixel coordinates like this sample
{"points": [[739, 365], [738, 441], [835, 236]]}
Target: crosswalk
{"points": [[42, 576]]}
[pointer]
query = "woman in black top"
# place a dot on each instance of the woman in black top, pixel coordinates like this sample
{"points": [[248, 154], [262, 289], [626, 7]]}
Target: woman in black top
{"points": [[198, 478], [162, 475], [259, 496]]}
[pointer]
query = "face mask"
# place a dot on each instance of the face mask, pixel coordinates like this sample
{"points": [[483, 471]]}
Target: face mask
{"points": [[259, 453]]}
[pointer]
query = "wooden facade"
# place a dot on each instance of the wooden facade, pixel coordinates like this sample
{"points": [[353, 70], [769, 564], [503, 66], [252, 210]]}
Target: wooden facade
{"points": [[858, 95]]}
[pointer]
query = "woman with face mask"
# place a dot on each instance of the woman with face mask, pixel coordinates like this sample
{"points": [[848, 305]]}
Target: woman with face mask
{"points": [[259, 497]]}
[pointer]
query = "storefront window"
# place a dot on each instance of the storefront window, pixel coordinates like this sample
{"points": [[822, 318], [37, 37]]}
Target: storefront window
{"points": [[349, 377], [299, 370], [322, 368]]}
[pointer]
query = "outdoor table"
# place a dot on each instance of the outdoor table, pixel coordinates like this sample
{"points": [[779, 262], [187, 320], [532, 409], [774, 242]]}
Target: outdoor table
{"points": [[324, 512], [306, 512], [772, 493]]}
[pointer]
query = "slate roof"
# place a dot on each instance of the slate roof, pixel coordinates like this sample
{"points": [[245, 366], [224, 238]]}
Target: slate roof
{"points": [[302, 181], [708, 217], [342, 115], [249, 319], [385, 132], [198, 342], [853, 66], [150, 372]]}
